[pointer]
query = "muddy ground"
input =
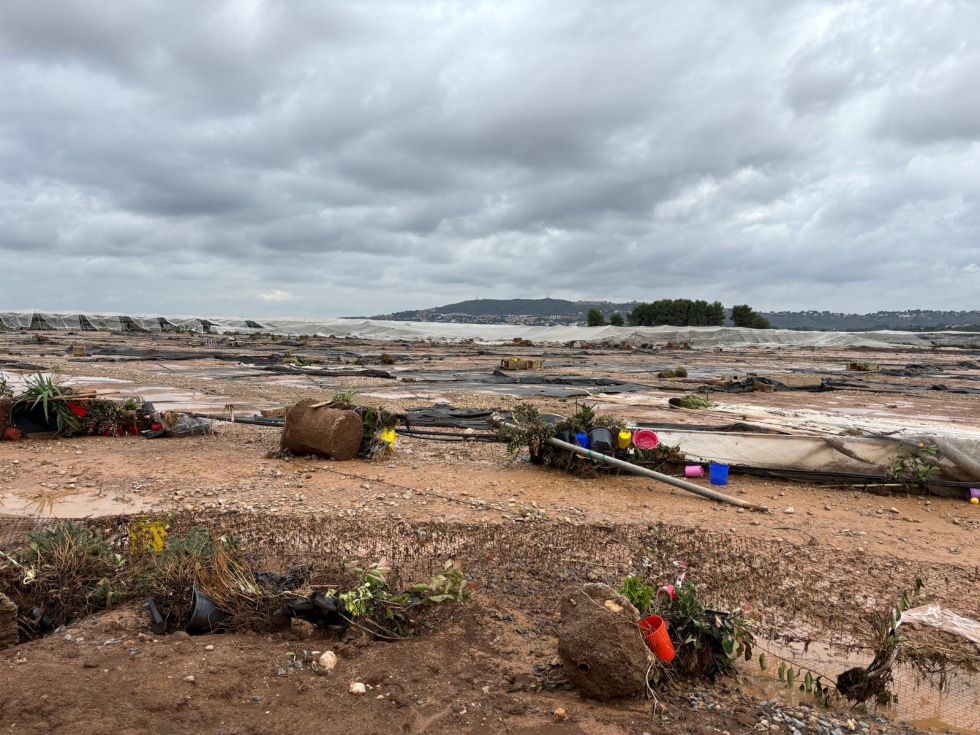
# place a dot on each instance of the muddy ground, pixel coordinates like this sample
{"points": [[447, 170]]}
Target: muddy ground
{"points": [[473, 671]]}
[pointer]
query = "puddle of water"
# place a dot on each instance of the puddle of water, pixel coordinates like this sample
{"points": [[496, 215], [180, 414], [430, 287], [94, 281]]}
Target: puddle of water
{"points": [[73, 505], [920, 704]]}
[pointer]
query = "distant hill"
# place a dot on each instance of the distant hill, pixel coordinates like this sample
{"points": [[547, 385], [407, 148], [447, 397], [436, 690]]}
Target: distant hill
{"points": [[911, 320], [510, 311], [561, 311]]}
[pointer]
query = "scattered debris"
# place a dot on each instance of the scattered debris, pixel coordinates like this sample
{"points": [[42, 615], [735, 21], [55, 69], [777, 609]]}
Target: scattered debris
{"points": [[521, 363]]}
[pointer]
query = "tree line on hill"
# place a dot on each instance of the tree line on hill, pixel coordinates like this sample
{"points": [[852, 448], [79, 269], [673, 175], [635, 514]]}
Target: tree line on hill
{"points": [[681, 313]]}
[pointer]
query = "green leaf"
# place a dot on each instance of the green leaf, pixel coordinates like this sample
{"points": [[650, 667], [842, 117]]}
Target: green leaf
{"points": [[790, 676], [782, 671], [762, 661], [728, 644], [808, 682]]}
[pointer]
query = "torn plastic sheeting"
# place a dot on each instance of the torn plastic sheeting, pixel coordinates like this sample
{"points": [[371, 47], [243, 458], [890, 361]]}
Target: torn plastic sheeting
{"points": [[936, 617], [862, 454], [450, 417], [327, 372], [184, 425], [748, 386]]}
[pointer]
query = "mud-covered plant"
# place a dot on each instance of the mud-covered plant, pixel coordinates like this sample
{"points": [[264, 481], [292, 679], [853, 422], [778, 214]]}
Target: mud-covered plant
{"points": [[806, 680], [344, 399], [374, 607], [526, 430], [66, 571], [915, 467], [692, 401], [863, 684], [105, 417], [640, 594]]}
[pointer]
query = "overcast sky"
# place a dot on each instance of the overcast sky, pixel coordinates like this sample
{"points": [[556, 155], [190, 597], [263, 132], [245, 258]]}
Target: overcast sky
{"points": [[331, 159]]}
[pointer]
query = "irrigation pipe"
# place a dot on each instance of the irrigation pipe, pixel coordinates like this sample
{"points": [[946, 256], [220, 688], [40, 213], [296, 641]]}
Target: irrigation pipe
{"points": [[643, 471]]}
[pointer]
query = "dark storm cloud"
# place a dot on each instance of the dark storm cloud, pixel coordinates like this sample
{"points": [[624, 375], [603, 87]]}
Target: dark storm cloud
{"points": [[260, 157]]}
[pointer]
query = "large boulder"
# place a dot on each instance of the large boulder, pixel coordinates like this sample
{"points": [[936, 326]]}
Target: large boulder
{"points": [[5, 404], [600, 643], [326, 431]]}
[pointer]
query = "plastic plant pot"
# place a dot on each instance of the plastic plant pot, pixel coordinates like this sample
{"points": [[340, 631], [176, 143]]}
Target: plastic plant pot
{"points": [[645, 439], [655, 632]]}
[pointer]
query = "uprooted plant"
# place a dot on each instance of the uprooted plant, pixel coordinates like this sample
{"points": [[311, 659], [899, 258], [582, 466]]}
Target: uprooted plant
{"points": [[529, 431], [695, 402], [63, 572], [862, 684], [67, 571], [53, 399], [707, 642], [374, 607], [914, 467]]}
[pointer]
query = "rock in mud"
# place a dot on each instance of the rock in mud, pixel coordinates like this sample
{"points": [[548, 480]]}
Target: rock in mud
{"points": [[600, 644], [325, 431], [8, 622]]}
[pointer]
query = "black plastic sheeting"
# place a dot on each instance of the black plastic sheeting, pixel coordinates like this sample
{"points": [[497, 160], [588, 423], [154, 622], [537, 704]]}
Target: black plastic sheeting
{"points": [[14, 365], [522, 384], [326, 372], [829, 384], [748, 386], [450, 417]]}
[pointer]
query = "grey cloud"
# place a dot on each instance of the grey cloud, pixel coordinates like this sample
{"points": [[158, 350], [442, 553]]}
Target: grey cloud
{"points": [[366, 158]]}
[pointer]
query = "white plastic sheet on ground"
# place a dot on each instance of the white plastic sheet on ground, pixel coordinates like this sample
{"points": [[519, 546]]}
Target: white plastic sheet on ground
{"points": [[936, 617], [414, 331]]}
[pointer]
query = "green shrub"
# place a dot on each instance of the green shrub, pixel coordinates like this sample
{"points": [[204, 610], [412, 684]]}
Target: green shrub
{"points": [[641, 595]]}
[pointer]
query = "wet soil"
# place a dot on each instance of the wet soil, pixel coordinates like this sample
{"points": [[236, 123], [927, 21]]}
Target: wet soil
{"points": [[464, 671]]}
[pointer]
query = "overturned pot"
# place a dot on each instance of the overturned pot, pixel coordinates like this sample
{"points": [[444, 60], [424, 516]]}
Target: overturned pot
{"points": [[205, 615]]}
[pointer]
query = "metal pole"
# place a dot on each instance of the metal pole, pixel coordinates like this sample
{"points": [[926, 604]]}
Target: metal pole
{"points": [[637, 470]]}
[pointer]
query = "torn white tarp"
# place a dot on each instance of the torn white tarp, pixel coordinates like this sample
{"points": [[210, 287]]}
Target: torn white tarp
{"points": [[936, 617], [498, 333], [869, 455]]}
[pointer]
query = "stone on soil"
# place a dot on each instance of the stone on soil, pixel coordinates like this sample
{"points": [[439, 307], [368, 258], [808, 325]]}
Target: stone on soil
{"points": [[603, 651]]}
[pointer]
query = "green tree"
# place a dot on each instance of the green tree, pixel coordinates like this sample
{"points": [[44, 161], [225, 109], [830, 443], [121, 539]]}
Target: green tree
{"points": [[595, 317], [616, 319], [715, 315], [744, 315]]}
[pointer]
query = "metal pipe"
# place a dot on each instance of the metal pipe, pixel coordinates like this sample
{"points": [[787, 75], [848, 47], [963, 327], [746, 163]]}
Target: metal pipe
{"points": [[637, 470]]}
